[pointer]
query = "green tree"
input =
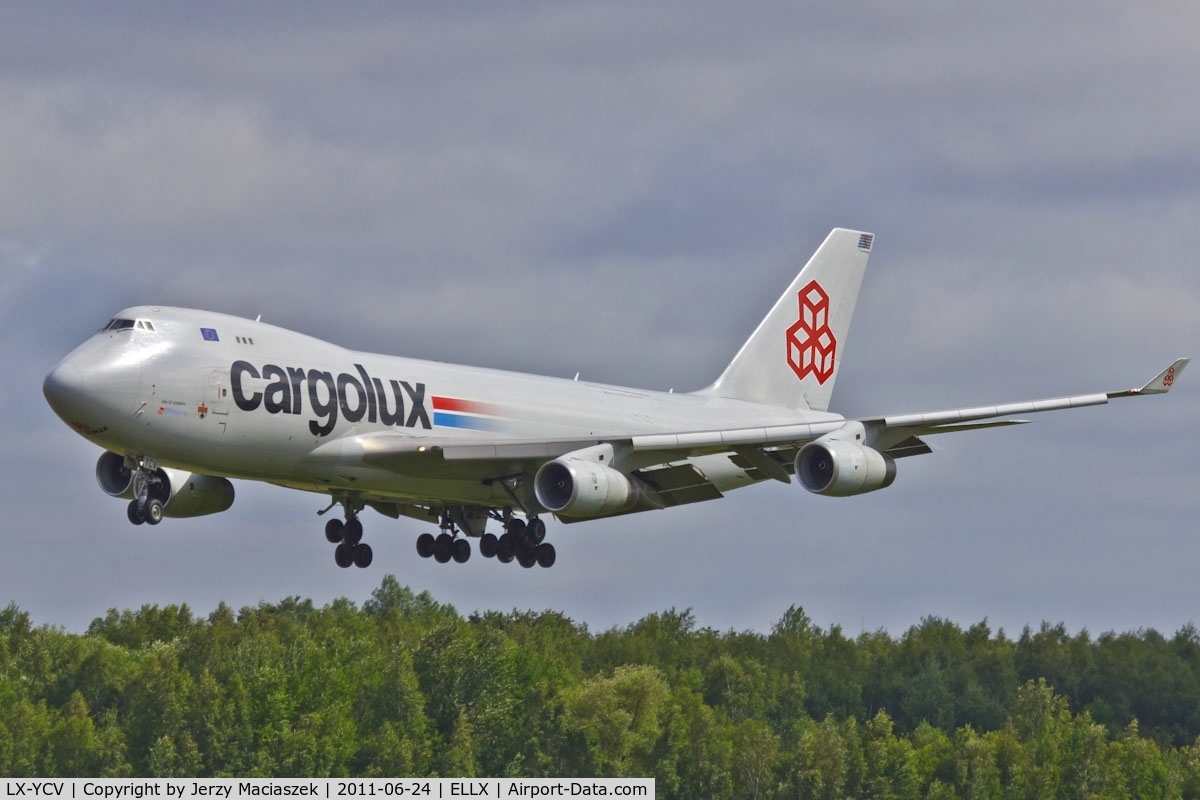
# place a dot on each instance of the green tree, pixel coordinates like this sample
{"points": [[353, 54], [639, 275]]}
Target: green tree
{"points": [[620, 719], [929, 698], [458, 761], [888, 771], [976, 774], [755, 757], [1139, 766], [73, 740], [819, 765], [697, 755], [28, 728]]}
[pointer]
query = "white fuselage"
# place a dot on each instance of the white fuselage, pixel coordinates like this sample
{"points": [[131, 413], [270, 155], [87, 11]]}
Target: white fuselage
{"points": [[226, 396]]}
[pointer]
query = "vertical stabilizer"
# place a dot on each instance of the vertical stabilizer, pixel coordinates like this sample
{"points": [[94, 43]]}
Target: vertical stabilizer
{"points": [[792, 358]]}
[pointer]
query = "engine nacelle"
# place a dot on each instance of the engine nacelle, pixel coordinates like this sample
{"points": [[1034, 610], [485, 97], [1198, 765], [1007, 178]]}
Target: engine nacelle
{"points": [[183, 494], [114, 477], [836, 467], [579, 484]]}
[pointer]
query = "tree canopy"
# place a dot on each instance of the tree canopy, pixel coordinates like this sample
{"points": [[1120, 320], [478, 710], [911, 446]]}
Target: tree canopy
{"points": [[405, 685]]}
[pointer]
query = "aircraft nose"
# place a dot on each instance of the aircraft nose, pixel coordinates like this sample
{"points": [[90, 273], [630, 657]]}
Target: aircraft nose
{"points": [[63, 386]]}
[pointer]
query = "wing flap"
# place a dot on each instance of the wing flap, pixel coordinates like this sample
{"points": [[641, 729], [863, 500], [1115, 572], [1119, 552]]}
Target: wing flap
{"points": [[912, 446], [679, 484]]}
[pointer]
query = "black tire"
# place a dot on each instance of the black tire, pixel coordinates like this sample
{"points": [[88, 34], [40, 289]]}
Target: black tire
{"points": [[154, 511], [363, 556], [343, 555], [461, 550], [134, 515], [443, 548], [488, 544], [506, 548], [425, 545], [526, 557], [352, 531], [515, 526], [546, 555], [333, 531], [535, 531]]}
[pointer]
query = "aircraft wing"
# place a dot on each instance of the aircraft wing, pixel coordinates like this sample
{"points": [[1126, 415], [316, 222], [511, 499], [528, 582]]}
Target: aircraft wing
{"points": [[897, 435], [661, 460], [921, 424]]}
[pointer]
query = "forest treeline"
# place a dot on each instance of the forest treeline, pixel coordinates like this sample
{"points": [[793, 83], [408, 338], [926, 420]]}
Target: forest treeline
{"points": [[406, 686]]}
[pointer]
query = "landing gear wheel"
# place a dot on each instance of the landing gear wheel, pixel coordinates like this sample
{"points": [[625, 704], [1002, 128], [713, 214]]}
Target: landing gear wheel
{"points": [[461, 550], [526, 556], [352, 531], [535, 531], [425, 545], [135, 516], [546, 555], [154, 511], [515, 526], [488, 545], [506, 548], [347, 534], [443, 548]]}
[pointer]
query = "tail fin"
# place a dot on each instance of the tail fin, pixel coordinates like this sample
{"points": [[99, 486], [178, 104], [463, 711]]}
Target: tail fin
{"points": [[791, 359]]}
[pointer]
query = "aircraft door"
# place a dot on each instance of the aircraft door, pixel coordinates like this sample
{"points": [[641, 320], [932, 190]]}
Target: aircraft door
{"points": [[217, 396]]}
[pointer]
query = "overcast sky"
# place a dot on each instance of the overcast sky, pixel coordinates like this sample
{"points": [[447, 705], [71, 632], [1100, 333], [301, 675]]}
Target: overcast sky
{"points": [[623, 190]]}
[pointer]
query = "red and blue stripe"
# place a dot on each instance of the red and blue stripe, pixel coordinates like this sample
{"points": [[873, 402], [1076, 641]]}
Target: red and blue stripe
{"points": [[454, 412]]}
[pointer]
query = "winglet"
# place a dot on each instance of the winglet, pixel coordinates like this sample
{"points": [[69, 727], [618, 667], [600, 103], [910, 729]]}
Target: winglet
{"points": [[1160, 383]]}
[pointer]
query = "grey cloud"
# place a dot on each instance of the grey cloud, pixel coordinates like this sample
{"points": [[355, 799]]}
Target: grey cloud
{"points": [[623, 191]]}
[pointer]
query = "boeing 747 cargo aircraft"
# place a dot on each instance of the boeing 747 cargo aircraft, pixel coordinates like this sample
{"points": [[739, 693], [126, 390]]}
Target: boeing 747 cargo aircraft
{"points": [[182, 401]]}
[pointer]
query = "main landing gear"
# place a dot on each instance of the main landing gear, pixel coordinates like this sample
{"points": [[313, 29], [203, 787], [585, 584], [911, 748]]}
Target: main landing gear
{"points": [[348, 537], [521, 541]]}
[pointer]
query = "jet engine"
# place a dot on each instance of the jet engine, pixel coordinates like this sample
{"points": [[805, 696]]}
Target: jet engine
{"points": [[183, 494], [836, 465], [580, 484]]}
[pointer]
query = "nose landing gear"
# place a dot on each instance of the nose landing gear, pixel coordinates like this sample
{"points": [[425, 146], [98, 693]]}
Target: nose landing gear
{"points": [[147, 503]]}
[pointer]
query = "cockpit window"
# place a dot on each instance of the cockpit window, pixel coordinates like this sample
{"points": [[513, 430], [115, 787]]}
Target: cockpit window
{"points": [[121, 324]]}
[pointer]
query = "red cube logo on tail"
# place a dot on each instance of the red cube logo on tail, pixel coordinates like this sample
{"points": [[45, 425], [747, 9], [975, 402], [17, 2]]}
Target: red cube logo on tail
{"points": [[810, 341]]}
